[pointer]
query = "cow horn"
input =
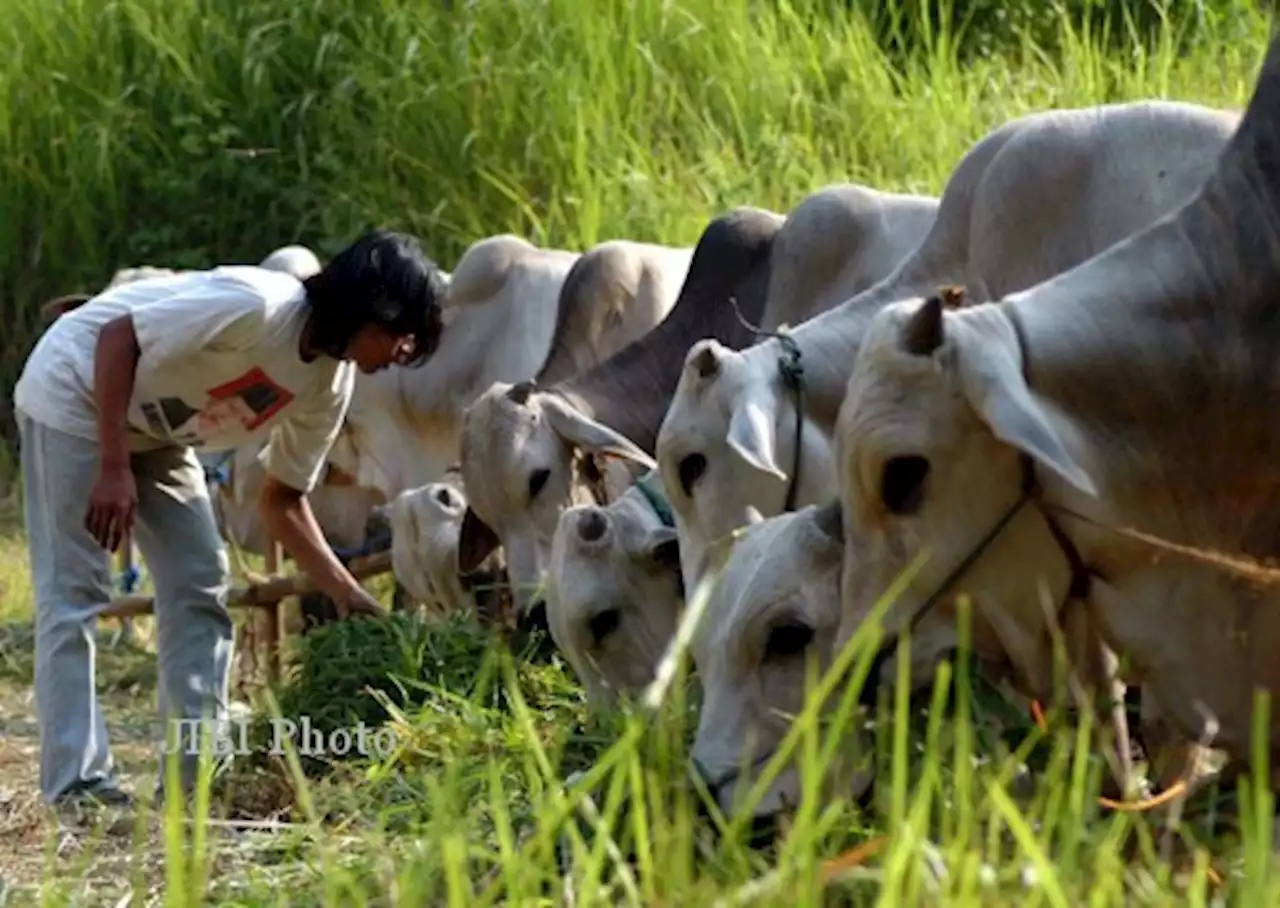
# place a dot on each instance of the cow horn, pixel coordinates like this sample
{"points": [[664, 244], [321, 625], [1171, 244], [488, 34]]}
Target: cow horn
{"points": [[705, 362], [952, 296], [830, 520], [520, 393], [923, 332]]}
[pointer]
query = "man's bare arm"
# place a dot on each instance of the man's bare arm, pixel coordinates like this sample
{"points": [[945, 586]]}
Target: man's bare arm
{"points": [[115, 367], [114, 497], [289, 519]]}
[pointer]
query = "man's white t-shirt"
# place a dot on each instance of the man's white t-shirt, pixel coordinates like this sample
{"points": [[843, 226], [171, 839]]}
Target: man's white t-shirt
{"points": [[219, 367]]}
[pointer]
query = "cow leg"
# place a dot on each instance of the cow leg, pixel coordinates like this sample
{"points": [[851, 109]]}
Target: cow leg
{"points": [[1097, 680]]}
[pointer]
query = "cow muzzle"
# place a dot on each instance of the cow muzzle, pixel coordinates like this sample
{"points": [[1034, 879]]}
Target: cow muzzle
{"points": [[763, 828]]}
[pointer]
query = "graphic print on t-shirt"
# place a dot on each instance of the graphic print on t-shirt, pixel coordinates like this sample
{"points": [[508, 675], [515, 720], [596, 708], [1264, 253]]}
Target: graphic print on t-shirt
{"points": [[244, 403]]}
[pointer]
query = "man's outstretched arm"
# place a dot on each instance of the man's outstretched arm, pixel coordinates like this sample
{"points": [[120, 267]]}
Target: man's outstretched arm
{"points": [[288, 517]]}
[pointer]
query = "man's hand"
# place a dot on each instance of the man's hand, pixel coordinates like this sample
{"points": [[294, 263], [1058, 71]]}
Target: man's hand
{"points": [[113, 504], [288, 517], [360, 602]]}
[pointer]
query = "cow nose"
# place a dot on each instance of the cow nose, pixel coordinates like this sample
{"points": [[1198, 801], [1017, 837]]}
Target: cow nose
{"points": [[870, 688], [699, 772], [762, 829], [534, 618], [592, 525]]}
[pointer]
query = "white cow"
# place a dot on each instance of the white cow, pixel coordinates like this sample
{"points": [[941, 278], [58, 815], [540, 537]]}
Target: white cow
{"points": [[1098, 448], [770, 621], [423, 525], [772, 617], [837, 242], [614, 590], [520, 444], [1037, 195]]}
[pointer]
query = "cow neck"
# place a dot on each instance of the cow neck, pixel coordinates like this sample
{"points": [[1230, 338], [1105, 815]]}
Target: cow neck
{"points": [[631, 390]]}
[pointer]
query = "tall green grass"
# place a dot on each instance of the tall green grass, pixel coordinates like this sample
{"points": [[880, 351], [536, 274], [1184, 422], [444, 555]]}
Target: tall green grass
{"points": [[182, 132]]}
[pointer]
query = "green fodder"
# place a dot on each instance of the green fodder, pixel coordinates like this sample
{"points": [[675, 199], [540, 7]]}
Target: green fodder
{"points": [[184, 133]]}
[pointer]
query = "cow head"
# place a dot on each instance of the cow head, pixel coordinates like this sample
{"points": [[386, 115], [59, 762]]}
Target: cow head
{"points": [[769, 626], [726, 446], [930, 445], [615, 594], [525, 456], [425, 526]]}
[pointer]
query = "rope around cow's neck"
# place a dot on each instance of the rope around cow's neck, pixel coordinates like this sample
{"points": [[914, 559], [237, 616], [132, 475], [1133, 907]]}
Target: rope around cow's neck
{"points": [[792, 371], [657, 502]]}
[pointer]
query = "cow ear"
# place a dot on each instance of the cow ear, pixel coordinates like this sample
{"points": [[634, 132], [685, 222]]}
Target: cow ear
{"points": [[662, 547], [996, 389], [593, 437], [476, 541], [753, 435], [829, 518]]}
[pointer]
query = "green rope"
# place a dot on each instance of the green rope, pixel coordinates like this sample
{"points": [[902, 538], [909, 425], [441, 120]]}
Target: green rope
{"points": [[656, 501]]}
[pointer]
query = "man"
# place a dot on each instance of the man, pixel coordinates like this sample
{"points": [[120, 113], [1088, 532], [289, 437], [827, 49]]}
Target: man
{"points": [[112, 405]]}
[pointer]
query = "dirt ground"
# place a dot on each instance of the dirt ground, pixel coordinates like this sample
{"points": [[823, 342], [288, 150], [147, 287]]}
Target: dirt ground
{"points": [[99, 866]]}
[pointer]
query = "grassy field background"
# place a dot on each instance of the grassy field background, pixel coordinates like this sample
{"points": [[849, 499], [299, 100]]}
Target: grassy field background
{"points": [[179, 133]]}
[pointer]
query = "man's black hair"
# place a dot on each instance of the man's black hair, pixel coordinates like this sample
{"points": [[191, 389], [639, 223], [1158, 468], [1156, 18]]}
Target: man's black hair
{"points": [[383, 277]]}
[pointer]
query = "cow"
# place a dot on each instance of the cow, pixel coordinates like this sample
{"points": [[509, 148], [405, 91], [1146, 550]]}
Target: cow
{"points": [[1034, 196], [422, 526], [614, 591], [520, 441], [1097, 449], [769, 626]]}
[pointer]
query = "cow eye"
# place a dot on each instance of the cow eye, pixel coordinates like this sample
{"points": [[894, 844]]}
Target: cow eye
{"points": [[788, 639], [902, 485], [691, 468], [537, 480], [604, 623]]}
